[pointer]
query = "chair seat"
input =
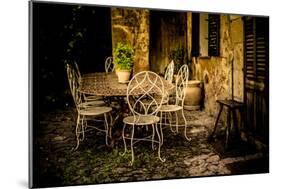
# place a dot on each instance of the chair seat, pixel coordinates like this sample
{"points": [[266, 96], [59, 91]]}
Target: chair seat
{"points": [[91, 104], [93, 97], [157, 99], [170, 108], [141, 120], [95, 110]]}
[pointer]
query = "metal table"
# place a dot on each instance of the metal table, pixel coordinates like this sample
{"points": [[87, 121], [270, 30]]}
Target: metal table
{"points": [[107, 85]]}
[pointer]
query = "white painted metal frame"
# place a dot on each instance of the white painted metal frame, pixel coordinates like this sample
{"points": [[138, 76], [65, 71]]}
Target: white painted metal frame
{"points": [[109, 66], [168, 110], [144, 114], [169, 73], [86, 109], [96, 100]]}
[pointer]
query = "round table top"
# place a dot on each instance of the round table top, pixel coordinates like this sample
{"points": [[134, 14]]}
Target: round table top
{"points": [[106, 84]]}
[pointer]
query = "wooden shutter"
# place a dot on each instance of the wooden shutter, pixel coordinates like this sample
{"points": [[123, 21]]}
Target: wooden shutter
{"points": [[256, 70], [256, 48], [214, 35], [195, 34], [262, 29], [249, 48]]}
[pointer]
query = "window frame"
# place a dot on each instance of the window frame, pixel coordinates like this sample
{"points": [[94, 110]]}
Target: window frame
{"points": [[213, 33]]}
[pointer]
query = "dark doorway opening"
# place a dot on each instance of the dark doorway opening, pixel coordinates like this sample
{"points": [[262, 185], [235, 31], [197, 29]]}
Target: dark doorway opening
{"points": [[168, 32]]}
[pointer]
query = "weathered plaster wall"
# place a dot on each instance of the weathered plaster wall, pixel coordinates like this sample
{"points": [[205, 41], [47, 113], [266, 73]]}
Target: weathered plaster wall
{"points": [[168, 33], [215, 72], [132, 26], [189, 33], [237, 41]]}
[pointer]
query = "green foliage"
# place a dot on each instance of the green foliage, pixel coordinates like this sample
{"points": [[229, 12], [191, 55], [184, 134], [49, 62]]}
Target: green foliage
{"points": [[95, 166], [179, 56], [74, 35], [123, 56]]}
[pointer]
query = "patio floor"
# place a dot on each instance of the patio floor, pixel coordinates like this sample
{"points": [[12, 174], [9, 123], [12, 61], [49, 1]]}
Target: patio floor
{"points": [[94, 163]]}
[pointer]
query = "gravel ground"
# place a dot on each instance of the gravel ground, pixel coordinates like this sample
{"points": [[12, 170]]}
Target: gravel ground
{"points": [[56, 164]]}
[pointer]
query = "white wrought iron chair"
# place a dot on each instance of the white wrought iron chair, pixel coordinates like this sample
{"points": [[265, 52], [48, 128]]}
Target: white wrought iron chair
{"points": [[142, 86], [87, 109], [169, 73], [178, 106], [109, 66], [168, 76], [95, 100]]}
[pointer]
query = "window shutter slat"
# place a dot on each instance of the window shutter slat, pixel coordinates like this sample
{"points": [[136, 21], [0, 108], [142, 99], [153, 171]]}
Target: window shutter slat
{"points": [[214, 35], [256, 48]]}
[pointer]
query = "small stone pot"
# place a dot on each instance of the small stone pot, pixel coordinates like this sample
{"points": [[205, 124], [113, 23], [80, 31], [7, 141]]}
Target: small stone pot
{"points": [[123, 76], [193, 95]]}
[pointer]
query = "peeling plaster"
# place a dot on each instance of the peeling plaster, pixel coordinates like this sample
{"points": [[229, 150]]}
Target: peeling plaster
{"points": [[215, 72]]}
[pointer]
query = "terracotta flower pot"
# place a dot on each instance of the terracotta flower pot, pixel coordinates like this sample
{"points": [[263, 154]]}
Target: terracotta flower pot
{"points": [[123, 76], [193, 95]]}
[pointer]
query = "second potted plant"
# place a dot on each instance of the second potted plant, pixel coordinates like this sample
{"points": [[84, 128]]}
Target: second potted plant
{"points": [[179, 56], [123, 61]]}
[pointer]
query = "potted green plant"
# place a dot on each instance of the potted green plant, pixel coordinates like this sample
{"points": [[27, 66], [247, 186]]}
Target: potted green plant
{"points": [[179, 56], [123, 61]]}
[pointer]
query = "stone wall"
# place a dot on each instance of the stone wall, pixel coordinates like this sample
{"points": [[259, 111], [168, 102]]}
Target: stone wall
{"points": [[132, 26], [215, 72]]}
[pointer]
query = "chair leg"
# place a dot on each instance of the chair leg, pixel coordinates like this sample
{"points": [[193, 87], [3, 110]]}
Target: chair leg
{"points": [[171, 121], [216, 124], [110, 126], [185, 126], [235, 123], [241, 126], [177, 122], [86, 124], [124, 140], [132, 145], [160, 125], [153, 136], [106, 128], [165, 119], [160, 143], [228, 128], [83, 128], [77, 132]]}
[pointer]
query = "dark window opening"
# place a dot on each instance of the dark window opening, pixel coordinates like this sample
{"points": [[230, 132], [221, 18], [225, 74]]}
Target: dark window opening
{"points": [[205, 35], [195, 34]]}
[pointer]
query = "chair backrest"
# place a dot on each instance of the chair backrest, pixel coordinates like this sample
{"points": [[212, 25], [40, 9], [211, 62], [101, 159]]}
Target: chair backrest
{"points": [[143, 87], [109, 66], [181, 84], [73, 84], [169, 73], [77, 70]]}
